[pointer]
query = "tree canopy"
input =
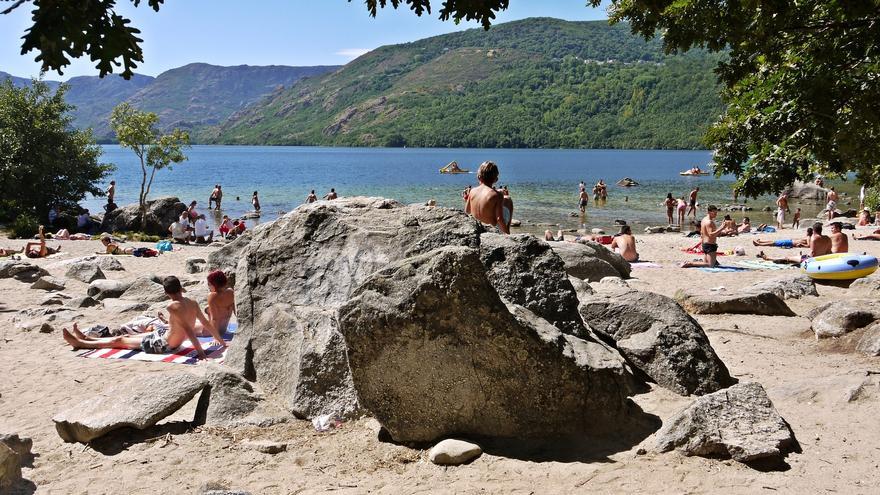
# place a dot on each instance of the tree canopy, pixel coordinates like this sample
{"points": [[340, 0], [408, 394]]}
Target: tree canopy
{"points": [[43, 161]]}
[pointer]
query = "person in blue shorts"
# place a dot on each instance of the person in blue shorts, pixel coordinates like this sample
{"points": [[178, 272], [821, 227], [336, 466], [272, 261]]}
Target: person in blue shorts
{"points": [[786, 243]]}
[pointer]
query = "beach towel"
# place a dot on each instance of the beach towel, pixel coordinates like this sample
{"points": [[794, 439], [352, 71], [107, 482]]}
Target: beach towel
{"points": [[698, 249], [185, 354], [763, 265], [724, 269], [644, 264]]}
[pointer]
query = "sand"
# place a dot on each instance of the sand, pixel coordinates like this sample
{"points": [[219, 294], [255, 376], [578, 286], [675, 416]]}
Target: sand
{"points": [[811, 383]]}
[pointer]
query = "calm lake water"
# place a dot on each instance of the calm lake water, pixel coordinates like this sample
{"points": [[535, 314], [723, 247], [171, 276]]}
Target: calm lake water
{"points": [[543, 183]]}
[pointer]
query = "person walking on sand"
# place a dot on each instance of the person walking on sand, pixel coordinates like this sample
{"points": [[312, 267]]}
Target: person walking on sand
{"points": [[625, 244], [709, 236], [485, 203], [331, 195], [670, 204], [312, 197], [693, 203], [182, 316], [255, 200]]}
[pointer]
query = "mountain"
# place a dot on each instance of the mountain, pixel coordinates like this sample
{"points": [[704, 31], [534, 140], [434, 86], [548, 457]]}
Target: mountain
{"points": [[19, 82], [532, 83], [94, 98]]}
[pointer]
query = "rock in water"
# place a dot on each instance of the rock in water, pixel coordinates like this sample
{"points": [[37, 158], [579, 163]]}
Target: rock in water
{"points": [[139, 404], [739, 422], [454, 452], [103, 289], [525, 271], [86, 272], [161, 212], [658, 337], [435, 352], [742, 303], [591, 261], [10, 468], [786, 287], [295, 272]]}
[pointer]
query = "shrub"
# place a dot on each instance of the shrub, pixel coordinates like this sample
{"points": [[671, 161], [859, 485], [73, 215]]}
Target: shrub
{"points": [[24, 227]]}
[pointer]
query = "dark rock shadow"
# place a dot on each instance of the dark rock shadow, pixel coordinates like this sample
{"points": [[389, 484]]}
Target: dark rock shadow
{"points": [[120, 440], [844, 284], [22, 487]]}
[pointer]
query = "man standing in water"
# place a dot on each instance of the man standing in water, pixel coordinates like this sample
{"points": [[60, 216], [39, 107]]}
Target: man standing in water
{"points": [[583, 200], [709, 236], [485, 203], [312, 197], [692, 208], [331, 195]]}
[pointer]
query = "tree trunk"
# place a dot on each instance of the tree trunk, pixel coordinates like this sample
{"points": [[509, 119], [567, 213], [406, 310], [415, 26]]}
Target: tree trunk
{"points": [[142, 198]]}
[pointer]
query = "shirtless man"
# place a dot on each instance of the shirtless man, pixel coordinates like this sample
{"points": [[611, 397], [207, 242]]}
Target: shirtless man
{"points": [[839, 242], [709, 235], [484, 202], [583, 199], [692, 207], [183, 313], [781, 209], [312, 197], [820, 245], [221, 303], [332, 194], [111, 192], [625, 244], [832, 203], [786, 243]]}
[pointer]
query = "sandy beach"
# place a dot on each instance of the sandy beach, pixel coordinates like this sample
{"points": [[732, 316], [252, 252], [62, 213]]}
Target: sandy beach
{"points": [[822, 388]]}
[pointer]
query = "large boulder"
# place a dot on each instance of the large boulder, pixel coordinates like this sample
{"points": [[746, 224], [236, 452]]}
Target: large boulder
{"points": [[226, 258], [140, 403], [743, 303], [525, 271], [786, 286], [658, 337], [294, 273], [104, 288], [591, 261], [145, 289], [870, 342], [20, 445], [842, 317], [10, 468], [105, 262], [739, 422], [161, 213], [435, 352], [48, 282], [23, 271], [86, 272], [807, 191], [228, 399]]}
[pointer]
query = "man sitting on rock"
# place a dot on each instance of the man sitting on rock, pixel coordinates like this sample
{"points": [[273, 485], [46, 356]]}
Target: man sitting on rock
{"points": [[485, 203], [182, 315], [221, 303]]}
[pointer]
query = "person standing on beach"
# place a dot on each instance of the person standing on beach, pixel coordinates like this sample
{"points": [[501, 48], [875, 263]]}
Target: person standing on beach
{"points": [[832, 203], [331, 195], [256, 202], [709, 236], [781, 209], [796, 221], [670, 204], [693, 203], [485, 203], [311, 198]]}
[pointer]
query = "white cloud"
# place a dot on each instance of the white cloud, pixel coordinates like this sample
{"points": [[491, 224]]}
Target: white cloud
{"points": [[352, 52]]}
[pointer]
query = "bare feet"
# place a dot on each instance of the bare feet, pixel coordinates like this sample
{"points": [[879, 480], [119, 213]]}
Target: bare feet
{"points": [[761, 255], [70, 339], [79, 335]]}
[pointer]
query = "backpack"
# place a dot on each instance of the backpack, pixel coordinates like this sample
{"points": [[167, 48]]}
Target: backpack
{"points": [[164, 246]]}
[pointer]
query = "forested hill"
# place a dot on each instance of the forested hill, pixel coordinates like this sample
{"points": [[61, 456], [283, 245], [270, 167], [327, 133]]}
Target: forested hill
{"points": [[531, 83]]}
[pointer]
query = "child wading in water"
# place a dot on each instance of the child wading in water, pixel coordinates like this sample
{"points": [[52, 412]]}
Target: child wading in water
{"points": [[485, 203]]}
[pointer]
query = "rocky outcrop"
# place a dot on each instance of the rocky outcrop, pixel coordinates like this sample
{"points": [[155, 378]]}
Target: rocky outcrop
{"points": [[47, 282], [86, 272], [139, 404], [658, 337], [105, 262], [807, 191], [295, 272], [786, 287], [743, 303], [196, 265], [739, 423], [10, 468], [103, 288], [145, 289], [842, 317], [525, 271], [161, 213], [230, 400], [23, 271], [435, 352], [591, 261]]}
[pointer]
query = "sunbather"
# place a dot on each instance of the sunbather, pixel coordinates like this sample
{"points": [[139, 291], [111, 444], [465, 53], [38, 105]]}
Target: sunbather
{"points": [[113, 248], [39, 249], [873, 236], [786, 243], [820, 245], [183, 313]]}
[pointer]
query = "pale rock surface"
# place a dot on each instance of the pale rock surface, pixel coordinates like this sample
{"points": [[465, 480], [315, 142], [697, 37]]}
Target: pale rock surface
{"points": [[751, 303], [452, 452], [104, 289], [86, 272], [786, 287], [48, 282], [591, 261]]}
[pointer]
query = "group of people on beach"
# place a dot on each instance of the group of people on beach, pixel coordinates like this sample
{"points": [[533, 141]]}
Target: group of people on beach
{"points": [[678, 209], [161, 335]]}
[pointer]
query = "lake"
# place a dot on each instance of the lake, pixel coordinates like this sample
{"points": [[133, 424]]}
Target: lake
{"points": [[543, 183]]}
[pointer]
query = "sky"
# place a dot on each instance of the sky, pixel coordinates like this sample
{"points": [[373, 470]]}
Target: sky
{"points": [[266, 32]]}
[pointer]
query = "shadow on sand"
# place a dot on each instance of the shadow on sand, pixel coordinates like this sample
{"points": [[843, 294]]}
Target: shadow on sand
{"points": [[120, 440]]}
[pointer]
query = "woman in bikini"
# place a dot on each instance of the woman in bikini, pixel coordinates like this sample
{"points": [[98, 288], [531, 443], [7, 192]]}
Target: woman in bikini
{"points": [[113, 248], [39, 249]]}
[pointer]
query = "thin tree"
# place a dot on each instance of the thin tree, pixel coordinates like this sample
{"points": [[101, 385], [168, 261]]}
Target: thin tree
{"points": [[137, 131]]}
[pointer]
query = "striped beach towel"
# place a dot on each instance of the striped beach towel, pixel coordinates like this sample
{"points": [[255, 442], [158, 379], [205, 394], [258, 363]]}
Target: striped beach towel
{"points": [[763, 265], [185, 354]]}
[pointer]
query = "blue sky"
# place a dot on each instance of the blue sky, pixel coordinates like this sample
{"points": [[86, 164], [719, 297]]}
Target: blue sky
{"points": [[267, 32]]}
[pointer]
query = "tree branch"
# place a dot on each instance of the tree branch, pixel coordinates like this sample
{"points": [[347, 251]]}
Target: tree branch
{"points": [[13, 7]]}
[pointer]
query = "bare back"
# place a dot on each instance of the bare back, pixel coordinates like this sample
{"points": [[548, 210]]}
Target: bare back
{"points": [[221, 307], [820, 245], [485, 204], [182, 315], [626, 244], [839, 242]]}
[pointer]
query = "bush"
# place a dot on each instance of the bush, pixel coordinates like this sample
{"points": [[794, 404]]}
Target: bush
{"points": [[872, 199], [24, 227]]}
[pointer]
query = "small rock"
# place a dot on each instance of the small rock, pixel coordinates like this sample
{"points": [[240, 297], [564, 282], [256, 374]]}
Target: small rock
{"points": [[265, 446], [105, 263], [451, 452], [786, 287], [196, 265], [47, 282], [597, 231], [10, 467], [842, 317], [81, 302], [515, 223], [103, 289], [85, 272], [23, 271], [641, 452], [52, 300], [46, 328]]}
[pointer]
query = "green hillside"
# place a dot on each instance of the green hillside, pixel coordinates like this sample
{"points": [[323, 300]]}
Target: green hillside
{"points": [[530, 83], [94, 97]]}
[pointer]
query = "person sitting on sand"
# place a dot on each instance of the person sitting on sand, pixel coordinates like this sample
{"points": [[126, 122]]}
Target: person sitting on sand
{"points": [[729, 226], [708, 235], [786, 243], [745, 227], [485, 203], [819, 245], [312, 197], [113, 248], [179, 233], [221, 303], [183, 313], [839, 241], [39, 249], [203, 234], [225, 226], [625, 244], [864, 218]]}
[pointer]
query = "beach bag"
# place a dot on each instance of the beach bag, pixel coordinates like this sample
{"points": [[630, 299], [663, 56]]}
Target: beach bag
{"points": [[605, 239], [145, 252], [162, 246]]}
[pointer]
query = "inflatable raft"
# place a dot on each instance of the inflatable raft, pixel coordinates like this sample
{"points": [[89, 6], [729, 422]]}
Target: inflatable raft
{"points": [[692, 173], [453, 168], [840, 266]]}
